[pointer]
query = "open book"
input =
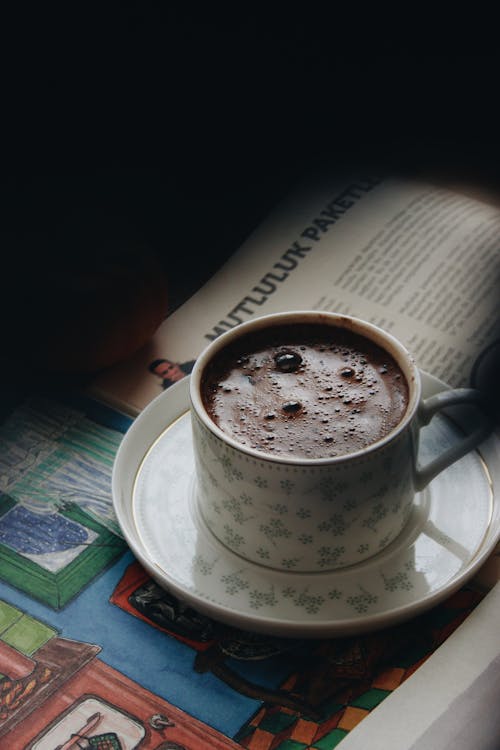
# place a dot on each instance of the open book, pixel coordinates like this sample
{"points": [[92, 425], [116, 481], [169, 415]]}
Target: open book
{"points": [[421, 261], [417, 259]]}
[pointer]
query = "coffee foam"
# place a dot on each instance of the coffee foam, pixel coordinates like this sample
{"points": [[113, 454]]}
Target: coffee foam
{"points": [[307, 390]]}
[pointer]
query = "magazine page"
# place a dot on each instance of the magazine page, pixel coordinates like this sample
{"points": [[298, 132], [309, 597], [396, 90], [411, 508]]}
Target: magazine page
{"points": [[460, 711], [417, 259], [421, 261]]}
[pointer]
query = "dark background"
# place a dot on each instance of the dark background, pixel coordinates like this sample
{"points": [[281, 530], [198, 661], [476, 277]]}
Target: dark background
{"points": [[186, 128]]}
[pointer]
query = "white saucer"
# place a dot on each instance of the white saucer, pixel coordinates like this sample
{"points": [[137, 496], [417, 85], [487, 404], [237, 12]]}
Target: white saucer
{"points": [[454, 526]]}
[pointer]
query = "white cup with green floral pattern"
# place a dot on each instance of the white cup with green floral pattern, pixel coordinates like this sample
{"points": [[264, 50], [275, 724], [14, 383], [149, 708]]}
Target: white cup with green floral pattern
{"points": [[306, 513]]}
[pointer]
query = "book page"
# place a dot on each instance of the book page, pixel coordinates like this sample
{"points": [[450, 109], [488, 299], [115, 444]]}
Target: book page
{"points": [[417, 259]]}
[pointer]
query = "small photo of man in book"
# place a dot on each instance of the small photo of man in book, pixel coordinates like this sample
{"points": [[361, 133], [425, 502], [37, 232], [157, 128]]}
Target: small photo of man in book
{"points": [[170, 372]]}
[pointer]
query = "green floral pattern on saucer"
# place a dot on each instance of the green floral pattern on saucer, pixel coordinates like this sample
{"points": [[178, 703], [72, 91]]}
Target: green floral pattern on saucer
{"points": [[453, 526]]}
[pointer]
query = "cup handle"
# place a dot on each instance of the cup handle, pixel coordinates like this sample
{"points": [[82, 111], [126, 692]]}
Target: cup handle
{"points": [[429, 407]]}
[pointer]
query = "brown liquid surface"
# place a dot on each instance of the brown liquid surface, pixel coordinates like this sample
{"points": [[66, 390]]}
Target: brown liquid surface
{"points": [[309, 391]]}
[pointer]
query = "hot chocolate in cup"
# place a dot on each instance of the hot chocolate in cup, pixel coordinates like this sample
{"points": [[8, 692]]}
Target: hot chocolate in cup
{"points": [[305, 434]]}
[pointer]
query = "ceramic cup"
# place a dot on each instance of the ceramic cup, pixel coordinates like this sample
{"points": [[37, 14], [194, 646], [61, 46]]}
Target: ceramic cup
{"points": [[316, 514]]}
